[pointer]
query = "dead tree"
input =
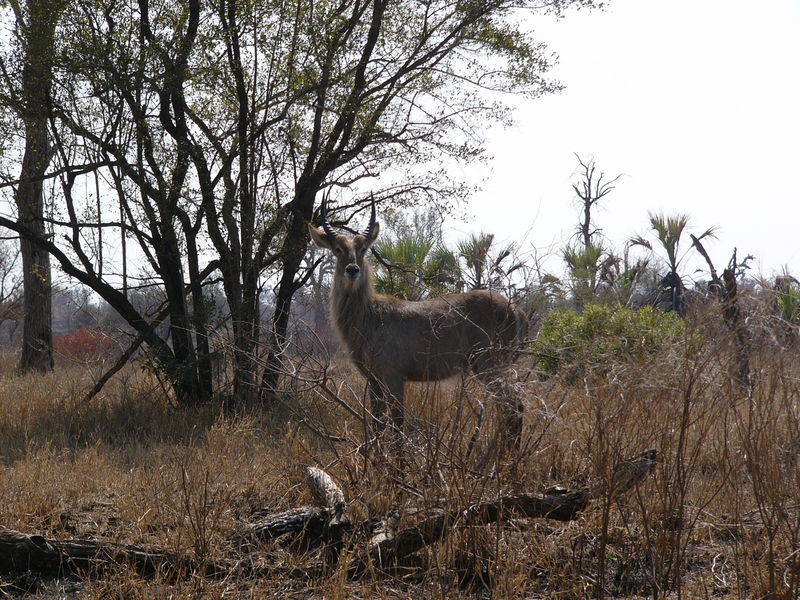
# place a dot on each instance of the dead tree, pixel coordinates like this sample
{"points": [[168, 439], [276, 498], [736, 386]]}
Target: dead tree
{"points": [[727, 291]]}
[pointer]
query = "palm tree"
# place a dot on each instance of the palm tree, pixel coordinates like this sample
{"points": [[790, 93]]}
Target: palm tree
{"points": [[443, 271], [787, 296], [413, 268], [630, 275], [583, 263], [670, 229], [484, 267], [402, 265]]}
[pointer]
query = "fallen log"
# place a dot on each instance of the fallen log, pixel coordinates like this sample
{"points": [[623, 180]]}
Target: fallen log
{"points": [[556, 503], [376, 543], [23, 552], [323, 523], [309, 519]]}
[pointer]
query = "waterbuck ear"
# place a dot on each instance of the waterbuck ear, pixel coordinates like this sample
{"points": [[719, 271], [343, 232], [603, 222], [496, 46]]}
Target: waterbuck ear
{"points": [[373, 234], [320, 238]]}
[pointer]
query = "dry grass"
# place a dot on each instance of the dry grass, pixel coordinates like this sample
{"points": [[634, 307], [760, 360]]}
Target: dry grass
{"points": [[719, 518]]}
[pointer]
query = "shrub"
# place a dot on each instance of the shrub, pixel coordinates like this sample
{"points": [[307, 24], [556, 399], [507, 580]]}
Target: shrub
{"points": [[575, 344], [82, 344], [788, 298]]}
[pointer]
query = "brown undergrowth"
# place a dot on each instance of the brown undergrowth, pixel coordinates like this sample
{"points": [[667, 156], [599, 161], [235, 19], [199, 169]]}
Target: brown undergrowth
{"points": [[720, 516]]}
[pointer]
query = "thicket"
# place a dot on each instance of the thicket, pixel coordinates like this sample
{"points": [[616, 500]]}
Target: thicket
{"points": [[577, 344]]}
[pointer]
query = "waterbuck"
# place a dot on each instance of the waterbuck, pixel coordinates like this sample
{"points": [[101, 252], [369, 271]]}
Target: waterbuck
{"points": [[392, 341]]}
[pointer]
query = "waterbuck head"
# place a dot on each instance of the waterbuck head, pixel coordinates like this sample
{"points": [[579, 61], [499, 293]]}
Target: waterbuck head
{"points": [[351, 269]]}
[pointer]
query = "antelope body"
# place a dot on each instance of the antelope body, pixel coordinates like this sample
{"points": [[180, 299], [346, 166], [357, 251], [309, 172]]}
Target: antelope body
{"points": [[392, 341]]}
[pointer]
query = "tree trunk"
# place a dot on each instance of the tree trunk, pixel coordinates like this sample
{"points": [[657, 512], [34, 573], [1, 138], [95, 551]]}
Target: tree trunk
{"points": [[243, 303], [20, 552], [295, 246], [183, 371], [37, 73], [732, 317], [199, 323], [199, 311], [37, 329], [246, 340]]}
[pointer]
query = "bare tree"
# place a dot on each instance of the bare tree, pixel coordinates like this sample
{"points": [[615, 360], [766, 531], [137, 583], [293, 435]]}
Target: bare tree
{"points": [[590, 190], [589, 263]]}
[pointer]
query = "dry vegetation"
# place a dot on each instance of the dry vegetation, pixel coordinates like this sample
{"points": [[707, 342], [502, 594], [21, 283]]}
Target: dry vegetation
{"points": [[718, 517]]}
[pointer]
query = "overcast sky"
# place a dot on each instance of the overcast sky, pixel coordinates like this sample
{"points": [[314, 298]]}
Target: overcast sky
{"points": [[695, 102]]}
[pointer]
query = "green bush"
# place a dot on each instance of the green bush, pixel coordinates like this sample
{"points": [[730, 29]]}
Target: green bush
{"points": [[788, 297], [577, 344]]}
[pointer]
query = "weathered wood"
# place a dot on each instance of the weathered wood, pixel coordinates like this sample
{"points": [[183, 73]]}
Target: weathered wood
{"points": [[556, 504], [383, 529], [376, 543], [325, 522], [309, 519], [325, 491], [23, 552]]}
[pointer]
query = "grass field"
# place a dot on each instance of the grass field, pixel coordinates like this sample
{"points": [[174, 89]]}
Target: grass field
{"points": [[718, 518]]}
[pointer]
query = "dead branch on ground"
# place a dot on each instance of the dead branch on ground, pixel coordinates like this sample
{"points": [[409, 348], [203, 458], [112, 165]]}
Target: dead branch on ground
{"points": [[377, 543]]}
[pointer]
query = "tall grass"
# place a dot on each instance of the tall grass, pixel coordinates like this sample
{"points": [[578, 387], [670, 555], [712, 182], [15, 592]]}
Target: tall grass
{"points": [[719, 517]]}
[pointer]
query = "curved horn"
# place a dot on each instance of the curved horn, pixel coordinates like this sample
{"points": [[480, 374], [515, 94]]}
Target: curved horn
{"points": [[323, 215], [368, 231]]}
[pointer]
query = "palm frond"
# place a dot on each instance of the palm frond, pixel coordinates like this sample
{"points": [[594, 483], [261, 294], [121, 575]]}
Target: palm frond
{"points": [[638, 240]]}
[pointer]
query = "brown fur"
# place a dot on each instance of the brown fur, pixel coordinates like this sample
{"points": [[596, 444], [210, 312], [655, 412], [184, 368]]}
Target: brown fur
{"points": [[392, 341]]}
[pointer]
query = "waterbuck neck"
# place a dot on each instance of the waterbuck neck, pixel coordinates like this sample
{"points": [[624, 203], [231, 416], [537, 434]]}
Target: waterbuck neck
{"points": [[353, 310]]}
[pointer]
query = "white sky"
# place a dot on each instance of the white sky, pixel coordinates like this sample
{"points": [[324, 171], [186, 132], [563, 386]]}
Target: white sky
{"points": [[695, 102]]}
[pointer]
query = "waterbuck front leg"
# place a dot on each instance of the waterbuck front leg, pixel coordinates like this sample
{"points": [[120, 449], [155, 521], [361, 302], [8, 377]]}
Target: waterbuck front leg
{"points": [[377, 405], [386, 404], [503, 390]]}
